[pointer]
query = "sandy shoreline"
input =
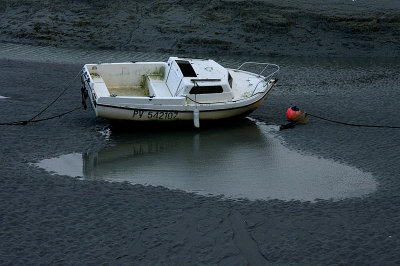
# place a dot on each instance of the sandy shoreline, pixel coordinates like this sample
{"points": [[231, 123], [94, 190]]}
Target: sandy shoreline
{"points": [[54, 219], [309, 28]]}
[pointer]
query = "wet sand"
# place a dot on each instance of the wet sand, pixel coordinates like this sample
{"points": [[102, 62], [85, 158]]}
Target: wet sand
{"points": [[58, 219], [53, 219]]}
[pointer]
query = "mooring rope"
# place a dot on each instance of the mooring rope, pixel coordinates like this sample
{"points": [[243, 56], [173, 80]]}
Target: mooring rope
{"points": [[350, 124], [25, 122], [58, 97], [33, 120]]}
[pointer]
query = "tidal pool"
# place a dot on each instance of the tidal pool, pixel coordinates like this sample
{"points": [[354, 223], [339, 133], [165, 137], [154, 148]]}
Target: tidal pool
{"points": [[242, 161]]}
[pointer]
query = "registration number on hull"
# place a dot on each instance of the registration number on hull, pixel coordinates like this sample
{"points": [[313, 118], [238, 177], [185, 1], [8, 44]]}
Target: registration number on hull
{"points": [[154, 115]]}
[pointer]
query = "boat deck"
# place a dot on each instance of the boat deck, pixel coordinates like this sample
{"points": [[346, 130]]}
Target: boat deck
{"points": [[133, 91], [152, 85]]}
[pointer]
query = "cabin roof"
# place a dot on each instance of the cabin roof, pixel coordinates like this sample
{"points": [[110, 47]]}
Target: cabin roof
{"points": [[203, 68]]}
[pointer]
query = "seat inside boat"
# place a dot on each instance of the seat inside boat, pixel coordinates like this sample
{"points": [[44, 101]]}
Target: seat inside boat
{"points": [[157, 86]]}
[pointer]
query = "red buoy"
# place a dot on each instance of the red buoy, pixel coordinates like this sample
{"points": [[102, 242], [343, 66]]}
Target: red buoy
{"points": [[293, 113]]}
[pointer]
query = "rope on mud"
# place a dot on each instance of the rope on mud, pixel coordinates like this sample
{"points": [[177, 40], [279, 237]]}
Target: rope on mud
{"points": [[33, 120], [350, 124], [25, 122], [58, 97]]}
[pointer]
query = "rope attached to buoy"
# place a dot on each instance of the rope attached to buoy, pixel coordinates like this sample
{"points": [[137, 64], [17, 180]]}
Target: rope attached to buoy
{"points": [[350, 124], [296, 116]]}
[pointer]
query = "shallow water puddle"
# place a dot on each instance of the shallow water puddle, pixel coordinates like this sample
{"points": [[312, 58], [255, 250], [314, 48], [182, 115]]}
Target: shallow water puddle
{"points": [[245, 161]]}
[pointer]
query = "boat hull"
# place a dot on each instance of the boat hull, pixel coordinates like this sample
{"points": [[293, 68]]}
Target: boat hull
{"points": [[158, 114]]}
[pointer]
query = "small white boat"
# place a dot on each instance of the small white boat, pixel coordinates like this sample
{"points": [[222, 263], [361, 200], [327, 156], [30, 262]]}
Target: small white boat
{"points": [[180, 89]]}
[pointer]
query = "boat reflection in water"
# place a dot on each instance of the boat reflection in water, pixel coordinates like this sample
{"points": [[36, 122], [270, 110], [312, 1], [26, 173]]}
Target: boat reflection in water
{"points": [[242, 161]]}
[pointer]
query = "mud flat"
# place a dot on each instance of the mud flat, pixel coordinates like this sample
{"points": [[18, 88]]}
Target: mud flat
{"points": [[300, 28], [55, 219]]}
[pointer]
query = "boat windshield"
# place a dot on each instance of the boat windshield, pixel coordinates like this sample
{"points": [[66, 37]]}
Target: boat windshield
{"points": [[186, 68]]}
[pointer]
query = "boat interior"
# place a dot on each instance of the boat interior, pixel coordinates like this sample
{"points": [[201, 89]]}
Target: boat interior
{"points": [[196, 79], [126, 79]]}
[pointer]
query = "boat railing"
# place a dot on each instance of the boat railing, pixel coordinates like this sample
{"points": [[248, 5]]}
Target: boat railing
{"points": [[267, 78]]}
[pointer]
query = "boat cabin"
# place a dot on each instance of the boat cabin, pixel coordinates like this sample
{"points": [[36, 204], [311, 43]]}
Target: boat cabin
{"points": [[200, 80]]}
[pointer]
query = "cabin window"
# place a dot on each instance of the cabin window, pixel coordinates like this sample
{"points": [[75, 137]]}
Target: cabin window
{"points": [[230, 79], [186, 68], [206, 89]]}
